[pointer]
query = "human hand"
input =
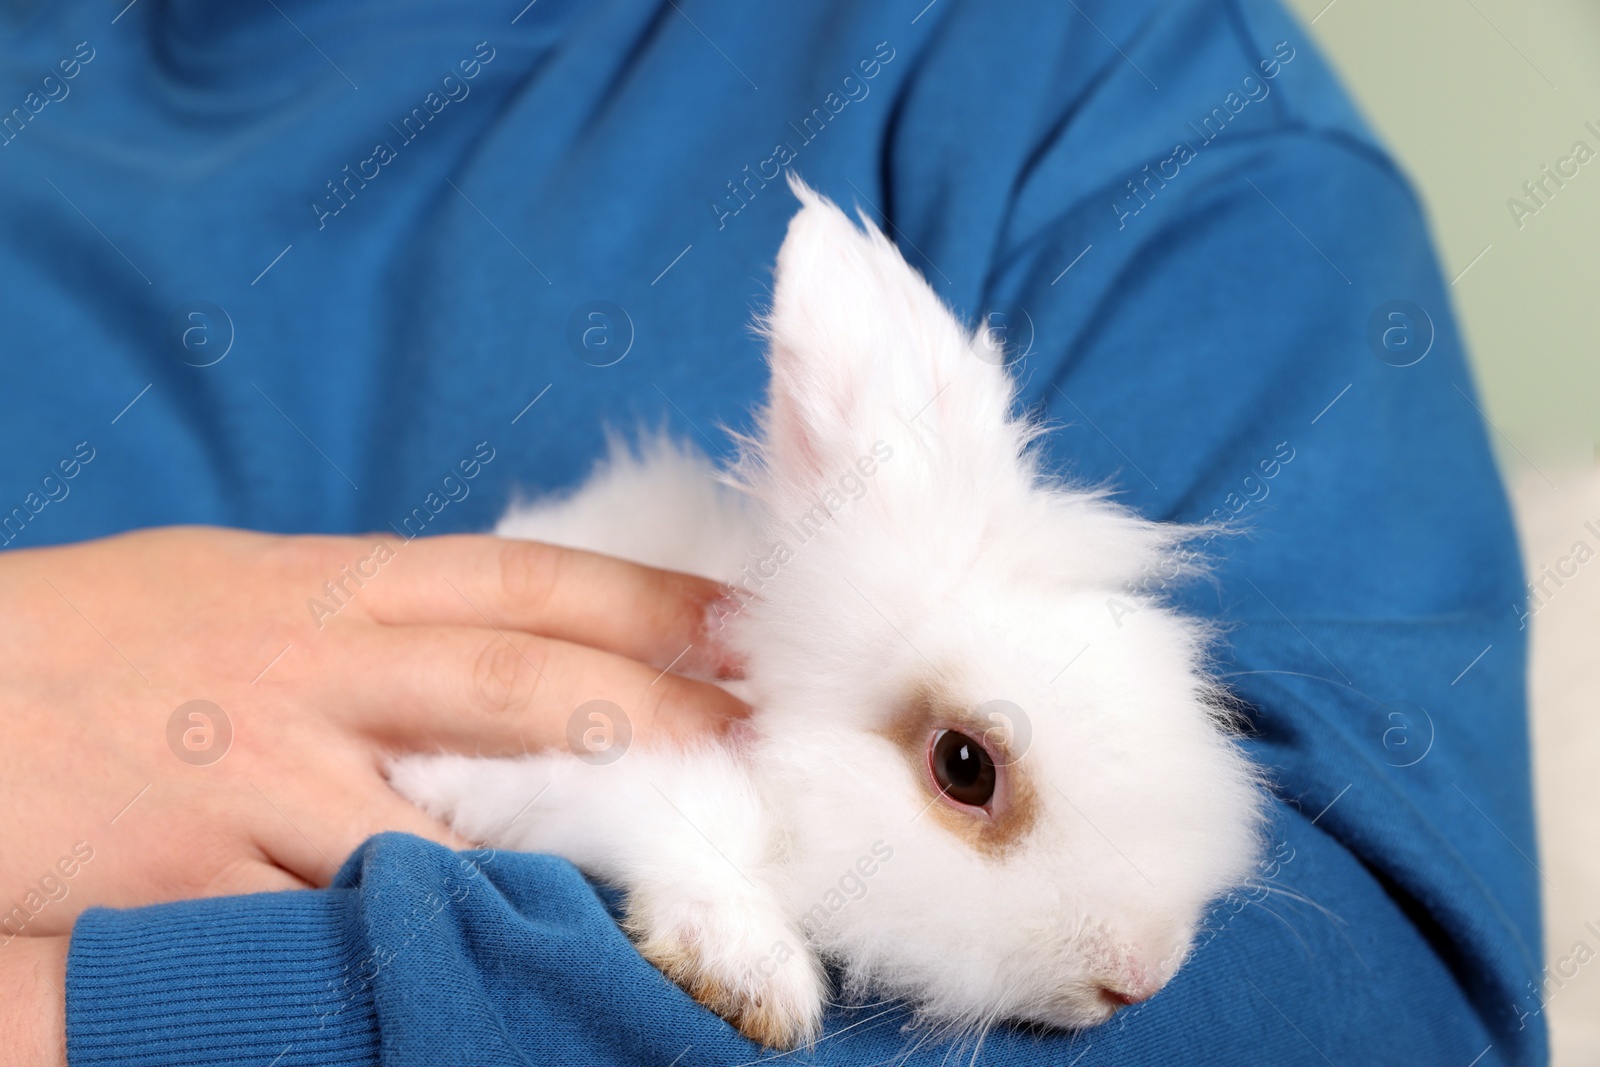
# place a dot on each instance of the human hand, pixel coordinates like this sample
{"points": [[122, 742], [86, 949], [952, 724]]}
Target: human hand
{"points": [[464, 643]]}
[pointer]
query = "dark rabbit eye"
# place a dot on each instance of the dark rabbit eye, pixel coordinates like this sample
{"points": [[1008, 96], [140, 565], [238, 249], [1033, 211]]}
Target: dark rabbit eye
{"points": [[962, 768]]}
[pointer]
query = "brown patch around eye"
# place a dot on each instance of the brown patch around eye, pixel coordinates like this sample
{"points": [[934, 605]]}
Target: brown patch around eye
{"points": [[1015, 809]]}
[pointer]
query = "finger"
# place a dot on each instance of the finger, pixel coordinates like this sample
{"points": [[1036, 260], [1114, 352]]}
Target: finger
{"points": [[485, 692], [654, 616], [311, 841]]}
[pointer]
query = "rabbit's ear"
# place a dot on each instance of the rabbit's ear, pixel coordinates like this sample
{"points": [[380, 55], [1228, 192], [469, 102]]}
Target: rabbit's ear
{"points": [[862, 350]]}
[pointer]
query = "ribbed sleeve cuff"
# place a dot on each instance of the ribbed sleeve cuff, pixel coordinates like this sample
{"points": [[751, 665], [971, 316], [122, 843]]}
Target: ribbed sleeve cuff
{"points": [[267, 979]]}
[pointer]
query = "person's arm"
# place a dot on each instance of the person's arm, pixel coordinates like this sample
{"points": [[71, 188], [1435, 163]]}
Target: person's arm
{"points": [[33, 973]]}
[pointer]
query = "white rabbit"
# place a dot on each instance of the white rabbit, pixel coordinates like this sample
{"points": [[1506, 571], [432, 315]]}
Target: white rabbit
{"points": [[982, 775]]}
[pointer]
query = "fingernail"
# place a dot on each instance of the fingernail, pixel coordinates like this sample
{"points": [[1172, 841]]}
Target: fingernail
{"points": [[716, 656]]}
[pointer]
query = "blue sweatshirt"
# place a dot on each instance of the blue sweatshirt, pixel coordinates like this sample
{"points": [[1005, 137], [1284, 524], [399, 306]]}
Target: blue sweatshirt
{"points": [[287, 265]]}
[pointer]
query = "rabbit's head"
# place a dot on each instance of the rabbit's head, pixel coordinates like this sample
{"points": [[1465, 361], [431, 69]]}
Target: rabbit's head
{"points": [[1007, 786]]}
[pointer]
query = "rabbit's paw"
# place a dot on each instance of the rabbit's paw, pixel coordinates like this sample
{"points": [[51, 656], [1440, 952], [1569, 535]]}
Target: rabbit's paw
{"points": [[741, 961]]}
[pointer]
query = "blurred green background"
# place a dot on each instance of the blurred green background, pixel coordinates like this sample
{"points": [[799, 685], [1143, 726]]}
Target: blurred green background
{"points": [[1474, 97]]}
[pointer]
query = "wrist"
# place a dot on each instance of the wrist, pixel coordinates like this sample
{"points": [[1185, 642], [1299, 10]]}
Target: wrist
{"points": [[33, 981]]}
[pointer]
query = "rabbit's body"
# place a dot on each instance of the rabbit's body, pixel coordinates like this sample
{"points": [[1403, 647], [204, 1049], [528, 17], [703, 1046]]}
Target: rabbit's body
{"points": [[981, 774]]}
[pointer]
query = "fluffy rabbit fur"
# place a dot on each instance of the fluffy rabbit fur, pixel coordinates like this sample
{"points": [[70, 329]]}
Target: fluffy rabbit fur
{"points": [[903, 566]]}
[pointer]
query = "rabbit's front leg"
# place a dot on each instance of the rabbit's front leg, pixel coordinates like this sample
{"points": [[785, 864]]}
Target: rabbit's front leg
{"points": [[686, 837], [728, 944]]}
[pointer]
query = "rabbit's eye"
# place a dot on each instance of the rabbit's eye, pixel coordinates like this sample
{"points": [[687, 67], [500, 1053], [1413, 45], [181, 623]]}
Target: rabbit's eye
{"points": [[962, 768]]}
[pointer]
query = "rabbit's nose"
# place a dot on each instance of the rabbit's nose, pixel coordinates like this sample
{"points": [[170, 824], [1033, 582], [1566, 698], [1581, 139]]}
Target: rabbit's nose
{"points": [[1119, 998], [1134, 985]]}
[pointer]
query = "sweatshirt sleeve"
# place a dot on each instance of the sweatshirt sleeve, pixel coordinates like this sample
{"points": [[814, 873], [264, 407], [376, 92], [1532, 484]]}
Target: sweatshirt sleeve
{"points": [[267, 978], [416, 956]]}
